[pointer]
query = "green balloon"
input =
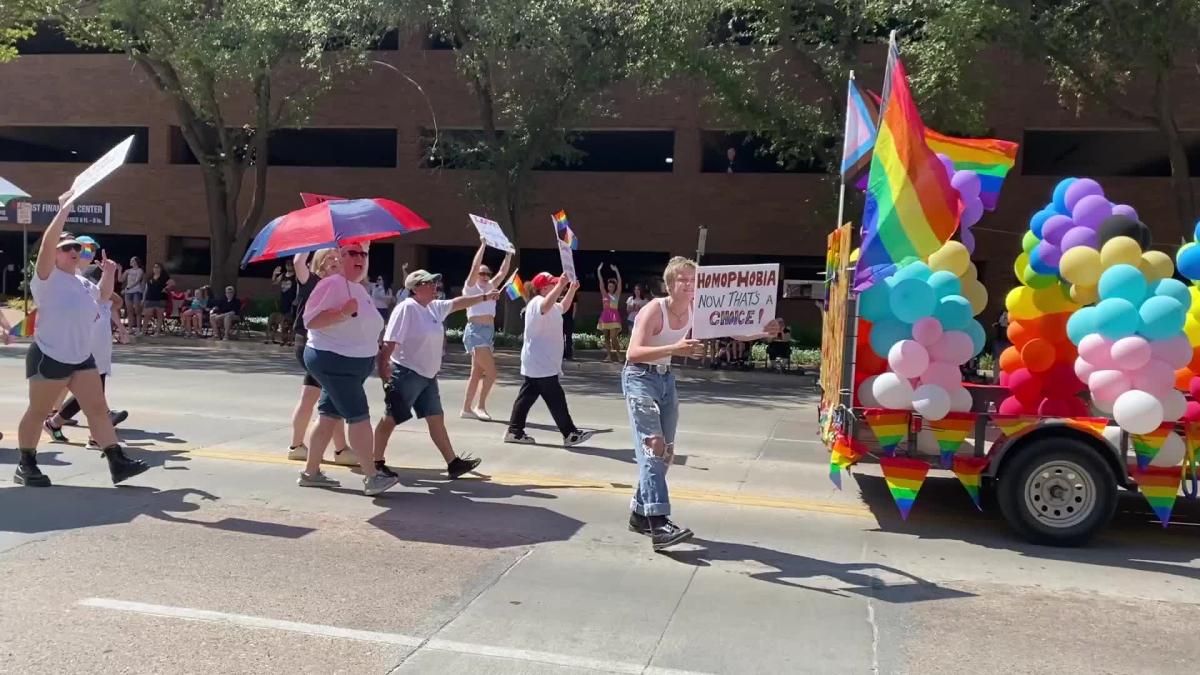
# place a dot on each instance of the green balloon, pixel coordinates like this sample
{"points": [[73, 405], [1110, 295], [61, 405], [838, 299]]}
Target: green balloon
{"points": [[1035, 280], [1029, 241]]}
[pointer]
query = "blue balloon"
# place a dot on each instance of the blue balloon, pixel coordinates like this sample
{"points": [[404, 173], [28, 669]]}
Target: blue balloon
{"points": [[1196, 232], [978, 336], [1123, 281], [887, 333], [945, 283], [1162, 317], [1060, 196], [1117, 318], [1188, 261], [1081, 324], [873, 304], [1039, 219], [954, 312], [1038, 265], [913, 270], [1173, 288], [912, 299]]}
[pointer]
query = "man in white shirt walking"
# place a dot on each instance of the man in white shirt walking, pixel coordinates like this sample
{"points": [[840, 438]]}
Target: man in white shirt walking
{"points": [[409, 363], [541, 360]]}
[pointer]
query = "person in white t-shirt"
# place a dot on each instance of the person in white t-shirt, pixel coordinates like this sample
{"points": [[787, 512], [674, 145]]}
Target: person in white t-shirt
{"points": [[61, 355], [541, 360], [382, 297], [409, 363]]}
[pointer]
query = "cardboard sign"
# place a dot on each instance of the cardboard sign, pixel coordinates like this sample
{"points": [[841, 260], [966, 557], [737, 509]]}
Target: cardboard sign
{"points": [[734, 300], [110, 162], [492, 233], [568, 260]]}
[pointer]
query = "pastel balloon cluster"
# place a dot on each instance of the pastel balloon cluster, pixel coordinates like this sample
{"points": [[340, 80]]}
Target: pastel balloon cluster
{"points": [[968, 184], [920, 328]]}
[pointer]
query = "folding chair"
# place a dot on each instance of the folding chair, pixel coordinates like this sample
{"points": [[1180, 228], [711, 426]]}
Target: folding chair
{"points": [[173, 324], [241, 327]]}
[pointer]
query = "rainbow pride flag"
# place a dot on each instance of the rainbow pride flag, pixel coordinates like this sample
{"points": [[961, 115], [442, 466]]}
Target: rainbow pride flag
{"points": [[950, 432], [1160, 486], [1146, 446], [969, 471], [1013, 425], [911, 207], [845, 453], [889, 426], [515, 288], [565, 233], [989, 157], [904, 478], [26, 326]]}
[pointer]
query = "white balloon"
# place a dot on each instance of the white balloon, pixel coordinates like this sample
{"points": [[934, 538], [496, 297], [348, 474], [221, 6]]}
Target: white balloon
{"points": [[960, 400], [1113, 435], [1174, 405], [1138, 412], [1171, 453], [931, 401], [866, 398], [927, 442], [892, 391], [908, 358]]}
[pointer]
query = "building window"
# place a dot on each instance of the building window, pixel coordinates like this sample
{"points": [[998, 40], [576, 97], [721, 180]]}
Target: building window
{"points": [[1101, 152], [454, 149], [362, 148], [48, 38], [743, 152], [69, 144], [604, 151], [438, 40], [188, 255]]}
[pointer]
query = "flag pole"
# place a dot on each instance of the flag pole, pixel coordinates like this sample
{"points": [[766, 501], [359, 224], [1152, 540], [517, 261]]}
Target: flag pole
{"points": [[850, 329]]}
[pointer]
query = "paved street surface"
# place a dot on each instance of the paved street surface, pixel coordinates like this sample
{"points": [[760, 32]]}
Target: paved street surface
{"points": [[216, 562]]}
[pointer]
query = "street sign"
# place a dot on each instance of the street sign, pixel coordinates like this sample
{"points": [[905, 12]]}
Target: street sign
{"points": [[24, 213]]}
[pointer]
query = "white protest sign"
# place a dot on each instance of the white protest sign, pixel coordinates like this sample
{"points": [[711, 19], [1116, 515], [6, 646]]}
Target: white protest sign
{"points": [[110, 162], [734, 300], [568, 260], [493, 235]]}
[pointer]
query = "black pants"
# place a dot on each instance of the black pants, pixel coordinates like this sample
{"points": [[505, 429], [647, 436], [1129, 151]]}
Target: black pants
{"points": [[568, 336], [71, 408], [554, 396]]}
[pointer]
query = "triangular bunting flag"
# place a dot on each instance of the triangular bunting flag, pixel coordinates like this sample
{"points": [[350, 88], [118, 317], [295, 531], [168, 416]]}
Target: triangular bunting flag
{"points": [[1093, 425], [1160, 485], [1191, 456], [1146, 446], [844, 453], [889, 426], [1013, 425], [904, 478], [950, 432], [969, 471]]}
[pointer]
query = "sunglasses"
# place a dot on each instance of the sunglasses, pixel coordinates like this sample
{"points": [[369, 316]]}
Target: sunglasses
{"points": [[71, 248], [356, 254], [485, 274]]}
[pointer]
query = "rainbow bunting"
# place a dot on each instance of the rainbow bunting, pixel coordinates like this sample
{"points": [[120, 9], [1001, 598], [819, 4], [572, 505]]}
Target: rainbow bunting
{"points": [[26, 326], [911, 207], [1160, 485], [845, 453], [1013, 425], [989, 157], [1093, 425], [565, 233], [1146, 446], [904, 478], [889, 426], [515, 288], [969, 471], [950, 433]]}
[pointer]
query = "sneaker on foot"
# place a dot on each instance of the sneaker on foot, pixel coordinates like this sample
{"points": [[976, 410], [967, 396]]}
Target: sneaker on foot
{"points": [[115, 417], [461, 465], [639, 523], [577, 437], [318, 479], [384, 469], [70, 422], [378, 484], [28, 473], [298, 452], [482, 414], [468, 414], [520, 439], [92, 444], [345, 457], [56, 433], [664, 533], [121, 466]]}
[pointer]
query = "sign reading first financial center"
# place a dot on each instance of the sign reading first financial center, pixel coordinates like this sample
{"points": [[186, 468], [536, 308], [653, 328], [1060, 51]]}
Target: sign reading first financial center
{"points": [[86, 214]]}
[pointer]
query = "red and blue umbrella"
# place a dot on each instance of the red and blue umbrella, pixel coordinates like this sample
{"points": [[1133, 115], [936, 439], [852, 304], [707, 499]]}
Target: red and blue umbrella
{"points": [[330, 224]]}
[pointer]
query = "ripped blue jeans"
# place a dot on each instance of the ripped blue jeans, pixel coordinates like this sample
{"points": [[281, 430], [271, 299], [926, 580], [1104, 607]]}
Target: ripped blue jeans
{"points": [[653, 414]]}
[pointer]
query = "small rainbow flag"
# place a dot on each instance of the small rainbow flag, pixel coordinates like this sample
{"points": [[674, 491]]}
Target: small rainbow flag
{"points": [[904, 478], [565, 233], [515, 288], [889, 426], [950, 433], [969, 471], [1160, 485], [1146, 446], [845, 453], [989, 157], [26, 326], [1013, 425]]}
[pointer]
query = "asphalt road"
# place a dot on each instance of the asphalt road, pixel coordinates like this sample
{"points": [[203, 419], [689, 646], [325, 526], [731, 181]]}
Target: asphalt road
{"points": [[216, 562]]}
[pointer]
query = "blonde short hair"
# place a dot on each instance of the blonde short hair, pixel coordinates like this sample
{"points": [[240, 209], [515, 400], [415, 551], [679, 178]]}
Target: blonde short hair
{"points": [[318, 259], [675, 266]]}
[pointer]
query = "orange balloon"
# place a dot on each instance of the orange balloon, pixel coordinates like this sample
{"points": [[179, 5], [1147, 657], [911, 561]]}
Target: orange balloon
{"points": [[1054, 326], [1010, 359], [1038, 355], [1021, 332], [1183, 379]]}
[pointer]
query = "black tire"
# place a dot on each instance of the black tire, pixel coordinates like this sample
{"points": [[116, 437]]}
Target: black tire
{"points": [[1075, 498]]}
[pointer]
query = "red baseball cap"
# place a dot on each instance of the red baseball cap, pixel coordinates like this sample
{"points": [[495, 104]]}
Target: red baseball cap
{"points": [[543, 280]]}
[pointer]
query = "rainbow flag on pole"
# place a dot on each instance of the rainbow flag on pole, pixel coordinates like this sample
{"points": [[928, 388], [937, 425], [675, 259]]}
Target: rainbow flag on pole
{"points": [[565, 233], [26, 326], [989, 157], [515, 288], [911, 207]]}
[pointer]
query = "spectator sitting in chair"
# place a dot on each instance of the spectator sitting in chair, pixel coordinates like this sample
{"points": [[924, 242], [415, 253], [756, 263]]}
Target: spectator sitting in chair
{"points": [[224, 312]]}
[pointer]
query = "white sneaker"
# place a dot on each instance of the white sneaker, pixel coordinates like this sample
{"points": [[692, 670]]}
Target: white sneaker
{"points": [[318, 479], [577, 437], [378, 483], [299, 452], [468, 415], [482, 414], [523, 439], [345, 457]]}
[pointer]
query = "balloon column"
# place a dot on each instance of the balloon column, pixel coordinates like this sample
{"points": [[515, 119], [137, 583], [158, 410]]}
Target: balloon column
{"points": [[1187, 378], [968, 184]]}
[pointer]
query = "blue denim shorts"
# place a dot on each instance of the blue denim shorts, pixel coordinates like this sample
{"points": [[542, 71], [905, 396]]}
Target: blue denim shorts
{"points": [[407, 392], [341, 379], [479, 335]]}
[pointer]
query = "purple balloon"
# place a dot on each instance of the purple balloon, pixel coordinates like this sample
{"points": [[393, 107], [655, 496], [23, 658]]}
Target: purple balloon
{"points": [[1049, 253], [972, 212], [1080, 189], [947, 163], [1055, 227], [1125, 210], [967, 184], [967, 238], [1091, 211], [1079, 236]]}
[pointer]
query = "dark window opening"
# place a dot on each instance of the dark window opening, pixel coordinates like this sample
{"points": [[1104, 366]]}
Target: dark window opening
{"points": [[438, 40], [641, 151], [363, 148], [744, 152], [70, 144], [389, 41], [1091, 152], [48, 38], [455, 149], [188, 255], [732, 27]]}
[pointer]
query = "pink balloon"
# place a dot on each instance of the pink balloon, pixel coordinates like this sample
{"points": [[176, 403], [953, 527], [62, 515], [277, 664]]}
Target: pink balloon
{"points": [[1097, 350], [1107, 385], [928, 331], [1090, 211], [1057, 407], [1192, 412], [954, 347], [1194, 387], [1131, 353], [908, 358], [1175, 352], [1083, 369], [1156, 377], [942, 374], [1013, 406]]}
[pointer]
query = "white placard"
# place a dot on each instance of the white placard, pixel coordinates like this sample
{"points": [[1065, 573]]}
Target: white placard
{"points": [[568, 260], [734, 300], [98, 171], [493, 235], [24, 213]]}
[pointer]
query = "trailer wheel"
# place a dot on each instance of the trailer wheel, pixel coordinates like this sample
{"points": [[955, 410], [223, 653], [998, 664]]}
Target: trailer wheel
{"points": [[1057, 491]]}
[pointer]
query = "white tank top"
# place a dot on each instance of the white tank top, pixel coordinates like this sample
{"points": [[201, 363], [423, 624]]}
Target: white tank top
{"points": [[485, 308], [668, 335]]}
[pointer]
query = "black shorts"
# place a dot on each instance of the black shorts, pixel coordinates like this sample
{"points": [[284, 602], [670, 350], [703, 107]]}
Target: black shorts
{"points": [[309, 380], [38, 366]]}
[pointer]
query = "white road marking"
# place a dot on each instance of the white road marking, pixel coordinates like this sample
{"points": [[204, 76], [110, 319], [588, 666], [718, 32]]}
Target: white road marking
{"points": [[396, 639]]}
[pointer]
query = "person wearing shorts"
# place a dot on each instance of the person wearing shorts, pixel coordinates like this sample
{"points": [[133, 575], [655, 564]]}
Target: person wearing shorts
{"points": [[412, 347], [61, 355], [155, 313], [479, 336], [133, 280]]}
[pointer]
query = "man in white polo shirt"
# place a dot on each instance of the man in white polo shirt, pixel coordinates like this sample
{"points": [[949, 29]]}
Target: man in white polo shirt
{"points": [[409, 363]]}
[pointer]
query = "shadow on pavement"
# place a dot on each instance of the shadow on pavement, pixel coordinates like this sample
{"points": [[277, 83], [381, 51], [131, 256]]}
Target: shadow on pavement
{"points": [[47, 457], [790, 567]]}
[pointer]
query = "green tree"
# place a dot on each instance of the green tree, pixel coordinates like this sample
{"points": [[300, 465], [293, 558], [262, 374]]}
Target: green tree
{"points": [[17, 21]]}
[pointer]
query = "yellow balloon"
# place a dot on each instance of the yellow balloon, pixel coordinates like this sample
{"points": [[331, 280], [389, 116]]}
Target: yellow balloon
{"points": [[1120, 251], [1054, 299], [1085, 295], [1156, 265], [972, 274], [1191, 328], [1021, 267], [976, 294], [1081, 265], [1194, 310], [1019, 303], [951, 257]]}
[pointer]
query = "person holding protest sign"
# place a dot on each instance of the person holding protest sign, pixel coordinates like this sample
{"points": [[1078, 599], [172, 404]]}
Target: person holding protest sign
{"points": [[61, 355], [660, 331], [479, 337], [541, 361]]}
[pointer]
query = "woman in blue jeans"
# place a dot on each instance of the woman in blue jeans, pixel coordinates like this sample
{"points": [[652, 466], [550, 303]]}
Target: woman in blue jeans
{"points": [[660, 331]]}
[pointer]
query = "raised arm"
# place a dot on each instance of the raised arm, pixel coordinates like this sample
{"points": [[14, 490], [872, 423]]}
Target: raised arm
{"points": [[465, 301], [570, 296], [109, 269], [45, 258], [620, 285], [554, 293], [600, 280], [473, 274], [498, 280], [300, 263]]}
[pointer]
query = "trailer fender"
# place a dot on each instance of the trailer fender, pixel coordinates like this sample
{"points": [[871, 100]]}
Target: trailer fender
{"points": [[999, 456]]}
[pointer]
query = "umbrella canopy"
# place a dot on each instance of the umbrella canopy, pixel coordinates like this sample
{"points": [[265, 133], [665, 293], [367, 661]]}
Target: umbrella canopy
{"points": [[9, 192], [332, 223]]}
